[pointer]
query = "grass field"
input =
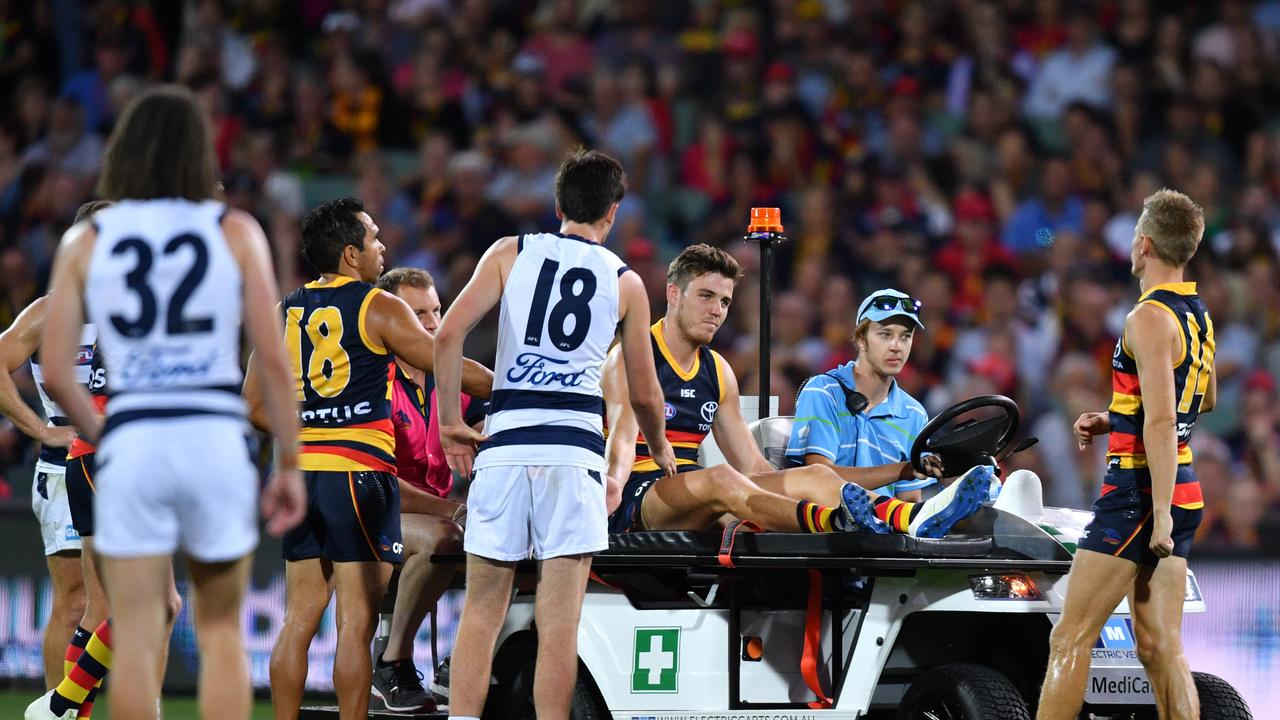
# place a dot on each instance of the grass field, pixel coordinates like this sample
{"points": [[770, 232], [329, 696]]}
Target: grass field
{"points": [[12, 703]]}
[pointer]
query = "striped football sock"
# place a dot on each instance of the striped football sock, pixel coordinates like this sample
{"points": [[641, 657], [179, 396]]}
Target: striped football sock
{"points": [[896, 513], [90, 668], [813, 517]]}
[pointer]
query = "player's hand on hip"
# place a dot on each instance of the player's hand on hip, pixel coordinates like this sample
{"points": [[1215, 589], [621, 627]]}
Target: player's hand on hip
{"points": [[58, 436], [459, 443], [284, 501], [1090, 424], [664, 456], [1162, 533]]}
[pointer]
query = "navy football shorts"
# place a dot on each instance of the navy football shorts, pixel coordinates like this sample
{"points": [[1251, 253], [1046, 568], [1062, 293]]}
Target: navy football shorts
{"points": [[351, 517], [1122, 524], [627, 517]]}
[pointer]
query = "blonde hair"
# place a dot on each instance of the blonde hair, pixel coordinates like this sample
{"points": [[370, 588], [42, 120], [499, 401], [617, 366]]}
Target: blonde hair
{"points": [[392, 280], [1175, 224]]}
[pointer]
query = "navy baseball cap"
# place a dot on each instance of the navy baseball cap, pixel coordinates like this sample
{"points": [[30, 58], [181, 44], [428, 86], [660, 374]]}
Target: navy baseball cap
{"points": [[888, 303]]}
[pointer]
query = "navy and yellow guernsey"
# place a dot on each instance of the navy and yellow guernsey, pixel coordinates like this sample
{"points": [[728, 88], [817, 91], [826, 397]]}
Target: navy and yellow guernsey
{"points": [[692, 398], [1191, 374], [341, 378]]}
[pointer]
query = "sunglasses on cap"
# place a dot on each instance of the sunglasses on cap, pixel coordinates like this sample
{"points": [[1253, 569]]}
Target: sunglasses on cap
{"points": [[889, 303]]}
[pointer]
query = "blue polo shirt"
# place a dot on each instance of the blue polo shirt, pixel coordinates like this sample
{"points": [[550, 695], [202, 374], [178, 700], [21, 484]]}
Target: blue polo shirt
{"points": [[881, 436]]}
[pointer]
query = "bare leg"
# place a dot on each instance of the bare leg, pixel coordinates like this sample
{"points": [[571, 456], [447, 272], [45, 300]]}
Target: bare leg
{"points": [[309, 585], [562, 582], [815, 483], [488, 594], [695, 499], [1156, 603], [67, 611], [137, 589], [360, 587], [1095, 587], [173, 608], [95, 606], [224, 668], [422, 582]]}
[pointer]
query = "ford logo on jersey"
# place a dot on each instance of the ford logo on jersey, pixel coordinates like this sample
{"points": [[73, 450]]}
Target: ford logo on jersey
{"points": [[158, 368], [531, 368]]}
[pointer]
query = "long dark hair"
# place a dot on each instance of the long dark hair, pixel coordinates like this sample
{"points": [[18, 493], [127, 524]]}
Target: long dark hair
{"points": [[161, 148]]}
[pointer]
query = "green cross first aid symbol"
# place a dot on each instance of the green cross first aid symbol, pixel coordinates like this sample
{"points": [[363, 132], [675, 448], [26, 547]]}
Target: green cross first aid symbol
{"points": [[656, 660]]}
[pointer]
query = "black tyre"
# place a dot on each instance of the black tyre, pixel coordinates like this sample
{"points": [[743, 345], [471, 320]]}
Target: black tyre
{"points": [[1218, 700], [512, 697], [962, 691]]}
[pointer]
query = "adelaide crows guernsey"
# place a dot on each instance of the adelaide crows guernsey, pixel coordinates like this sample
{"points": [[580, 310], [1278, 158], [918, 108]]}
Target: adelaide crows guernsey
{"points": [[559, 314], [1191, 374], [99, 392], [341, 378], [54, 459], [692, 398]]}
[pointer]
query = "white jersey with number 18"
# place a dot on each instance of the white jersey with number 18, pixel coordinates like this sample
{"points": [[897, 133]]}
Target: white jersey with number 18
{"points": [[559, 315]]}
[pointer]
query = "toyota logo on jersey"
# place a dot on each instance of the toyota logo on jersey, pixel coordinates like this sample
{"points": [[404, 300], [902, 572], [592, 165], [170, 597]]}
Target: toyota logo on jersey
{"points": [[709, 410]]}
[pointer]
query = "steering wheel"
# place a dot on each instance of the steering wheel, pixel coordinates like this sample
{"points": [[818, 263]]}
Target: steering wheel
{"points": [[972, 442]]}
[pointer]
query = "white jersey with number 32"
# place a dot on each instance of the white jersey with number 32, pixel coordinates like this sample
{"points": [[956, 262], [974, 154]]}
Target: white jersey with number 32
{"points": [[164, 291], [559, 314]]}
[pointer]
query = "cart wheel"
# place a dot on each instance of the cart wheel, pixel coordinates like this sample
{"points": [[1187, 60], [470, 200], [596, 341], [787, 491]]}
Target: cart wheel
{"points": [[512, 698], [1218, 700], [962, 691]]}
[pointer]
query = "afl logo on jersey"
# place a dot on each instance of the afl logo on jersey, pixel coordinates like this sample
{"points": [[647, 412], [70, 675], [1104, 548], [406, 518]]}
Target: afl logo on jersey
{"points": [[85, 355], [709, 410], [670, 410]]}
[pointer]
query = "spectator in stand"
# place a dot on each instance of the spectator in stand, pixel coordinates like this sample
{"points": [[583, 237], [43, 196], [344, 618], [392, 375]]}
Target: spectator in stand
{"points": [[1077, 387], [973, 251], [1077, 71], [1058, 208], [69, 145], [1257, 443], [525, 189], [564, 52], [89, 87]]}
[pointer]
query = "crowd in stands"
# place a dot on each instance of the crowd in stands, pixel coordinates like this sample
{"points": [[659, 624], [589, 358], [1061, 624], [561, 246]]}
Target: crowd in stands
{"points": [[987, 156]]}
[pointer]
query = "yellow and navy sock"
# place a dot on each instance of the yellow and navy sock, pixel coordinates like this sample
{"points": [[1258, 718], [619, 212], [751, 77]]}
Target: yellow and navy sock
{"points": [[90, 667], [813, 517], [896, 513], [75, 649]]}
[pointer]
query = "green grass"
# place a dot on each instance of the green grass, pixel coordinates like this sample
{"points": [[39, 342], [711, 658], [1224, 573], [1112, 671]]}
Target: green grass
{"points": [[12, 703]]}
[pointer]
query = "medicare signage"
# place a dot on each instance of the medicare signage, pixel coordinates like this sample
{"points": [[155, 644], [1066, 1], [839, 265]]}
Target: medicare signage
{"points": [[655, 666], [1116, 675]]}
